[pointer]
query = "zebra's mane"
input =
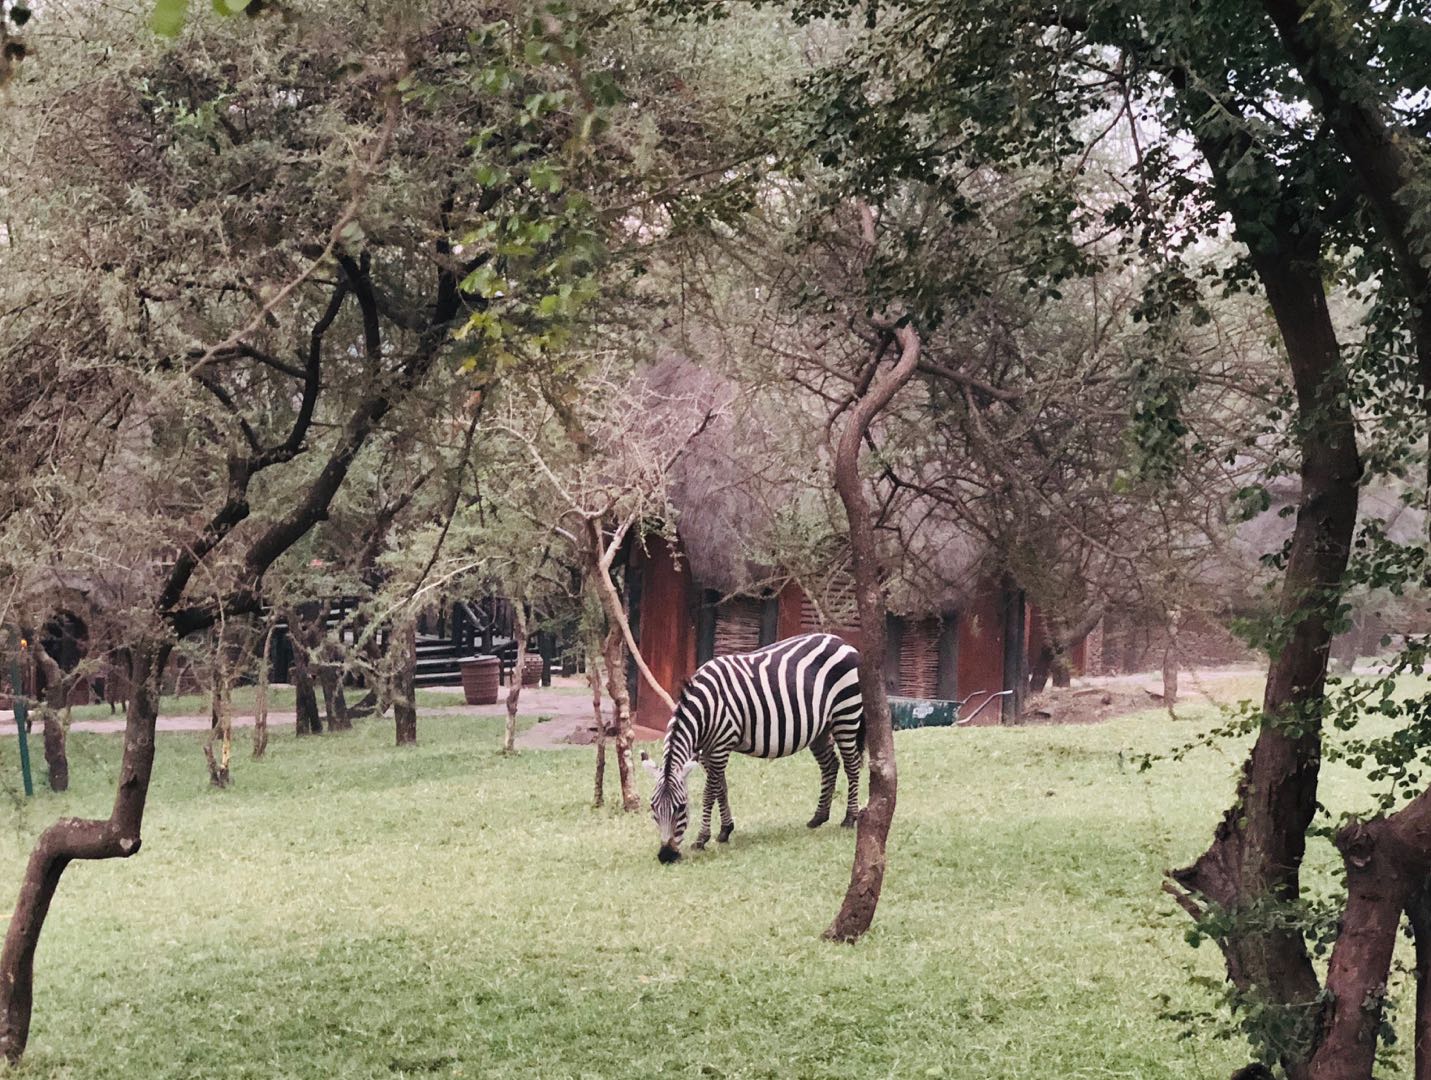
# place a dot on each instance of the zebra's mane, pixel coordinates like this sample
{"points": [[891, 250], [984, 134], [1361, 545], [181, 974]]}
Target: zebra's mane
{"points": [[685, 710]]}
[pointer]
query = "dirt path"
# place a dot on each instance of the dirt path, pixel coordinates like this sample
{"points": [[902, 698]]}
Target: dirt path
{"points": [[564, 709], [561, 712]]}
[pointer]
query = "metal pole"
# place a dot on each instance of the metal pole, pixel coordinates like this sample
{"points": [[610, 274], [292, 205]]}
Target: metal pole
{"points": [[21, 714]]}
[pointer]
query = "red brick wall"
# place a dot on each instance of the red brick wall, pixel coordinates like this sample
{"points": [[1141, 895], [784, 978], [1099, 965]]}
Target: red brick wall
{"points": [[667, 629], [791, 612], [981, 651], [668, 638]]}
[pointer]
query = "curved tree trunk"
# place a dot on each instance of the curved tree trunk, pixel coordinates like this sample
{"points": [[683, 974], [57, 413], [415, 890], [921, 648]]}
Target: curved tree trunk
{"points": [[68, 839], [867, 874], [1388, 159], [1256, 854]]}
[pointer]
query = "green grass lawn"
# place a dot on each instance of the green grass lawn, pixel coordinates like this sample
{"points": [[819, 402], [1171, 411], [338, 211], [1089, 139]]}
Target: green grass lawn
{"points": [[351, 910], [280, 699]]}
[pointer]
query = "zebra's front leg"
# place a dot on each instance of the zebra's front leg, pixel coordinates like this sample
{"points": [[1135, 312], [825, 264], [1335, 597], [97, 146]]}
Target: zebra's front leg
{"points": [[713, 788], [824, 750], [727, 823], [852, 757]]}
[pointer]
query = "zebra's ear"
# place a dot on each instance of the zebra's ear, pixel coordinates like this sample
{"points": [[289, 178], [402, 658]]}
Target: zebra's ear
{"points": [[650, 766]]}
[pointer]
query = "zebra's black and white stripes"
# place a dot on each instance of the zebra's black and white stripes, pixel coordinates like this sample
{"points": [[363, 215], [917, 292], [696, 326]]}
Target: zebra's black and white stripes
{"points": [[774, 702]]}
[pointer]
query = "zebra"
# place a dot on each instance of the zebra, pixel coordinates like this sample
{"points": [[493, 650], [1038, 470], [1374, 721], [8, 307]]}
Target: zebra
{"points": [[804, 691]]}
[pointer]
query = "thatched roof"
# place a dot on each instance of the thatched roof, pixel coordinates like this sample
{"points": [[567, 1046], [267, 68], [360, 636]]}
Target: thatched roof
{"points": [[720, 491], [754, 504]]}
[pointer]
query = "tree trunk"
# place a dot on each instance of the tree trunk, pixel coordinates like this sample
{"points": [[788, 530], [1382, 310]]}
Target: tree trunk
{"points": [[615, 656], [593, 680], [514, 692], [305, 700], [1040, 670], [1053, 658], [1255, 858], [52, 710], [231, 652], [385, 666], [1418, 913], [260, 696], [74, 838], [600, 573], [404, 695], [220, 730], [330, 678], [1062, 673], [618, 640], [1171, 654], [304, 636], [1351, 1018], [867, 874]]}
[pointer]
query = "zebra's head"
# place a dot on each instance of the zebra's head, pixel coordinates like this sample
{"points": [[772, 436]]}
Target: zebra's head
{"points": [[668, 806]]}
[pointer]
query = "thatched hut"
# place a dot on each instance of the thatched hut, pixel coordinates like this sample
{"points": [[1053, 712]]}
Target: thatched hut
{"points": [[759, 556]]}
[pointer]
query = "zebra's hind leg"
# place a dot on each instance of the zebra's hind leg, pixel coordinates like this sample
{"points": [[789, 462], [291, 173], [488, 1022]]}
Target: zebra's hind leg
{"points": [[852, 754], [824, 750], [713, 789]]}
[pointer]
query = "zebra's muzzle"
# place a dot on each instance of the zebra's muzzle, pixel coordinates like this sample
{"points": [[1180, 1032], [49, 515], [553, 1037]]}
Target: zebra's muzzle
{"points": [[668, 854]]}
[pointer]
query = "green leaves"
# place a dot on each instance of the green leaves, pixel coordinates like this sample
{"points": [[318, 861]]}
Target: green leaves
{"points": [[168, 17], [1157, 430], [534, 249], [545, 177]]}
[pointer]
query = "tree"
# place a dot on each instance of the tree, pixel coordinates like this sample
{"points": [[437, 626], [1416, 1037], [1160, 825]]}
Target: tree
{"points": [[933, 94], [184, 317], [867, 873]]}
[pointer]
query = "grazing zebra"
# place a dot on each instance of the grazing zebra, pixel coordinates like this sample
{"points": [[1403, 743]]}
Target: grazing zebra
{"points": [[770, 703]]}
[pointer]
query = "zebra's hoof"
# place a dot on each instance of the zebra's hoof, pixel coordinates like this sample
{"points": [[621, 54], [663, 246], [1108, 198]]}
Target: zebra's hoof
{"points": [[851, 820], [816, 821], [724, 835], [700, 844]]}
